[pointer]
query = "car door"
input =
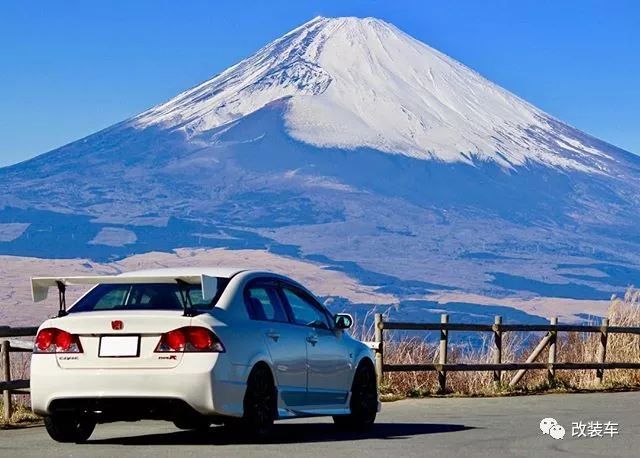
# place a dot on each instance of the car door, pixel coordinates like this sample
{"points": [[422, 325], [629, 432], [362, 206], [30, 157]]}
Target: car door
{"points": [[329, 366], [286, 343]]}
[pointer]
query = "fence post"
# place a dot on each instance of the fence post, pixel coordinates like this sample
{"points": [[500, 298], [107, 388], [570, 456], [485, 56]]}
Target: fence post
{"points": [[442, 374], [532, 357], [602, 350], [551, 372], [7, 377], [497, 357], [379, 341]]}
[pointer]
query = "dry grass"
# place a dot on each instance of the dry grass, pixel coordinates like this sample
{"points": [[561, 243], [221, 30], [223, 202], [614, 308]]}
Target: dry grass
{"points": [[22, 414], [571, 347]]}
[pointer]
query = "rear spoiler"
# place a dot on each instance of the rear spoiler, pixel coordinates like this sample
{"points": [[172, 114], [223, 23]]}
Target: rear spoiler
{"points": [[40, 285]]}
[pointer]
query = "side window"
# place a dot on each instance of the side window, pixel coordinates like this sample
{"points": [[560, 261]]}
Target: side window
{"points": [[263, 304], [304, 311]]}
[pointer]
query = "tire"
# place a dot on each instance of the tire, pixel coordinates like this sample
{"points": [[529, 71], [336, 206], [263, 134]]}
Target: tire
{"points": [[260, 406], [69, 428], [364, 401]]}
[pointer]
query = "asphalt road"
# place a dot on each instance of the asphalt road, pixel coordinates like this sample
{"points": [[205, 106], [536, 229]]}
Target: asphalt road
{"points": [[492, 427]]}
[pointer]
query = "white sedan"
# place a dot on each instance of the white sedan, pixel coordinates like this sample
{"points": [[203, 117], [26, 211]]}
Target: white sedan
{"points": [[196, 346]]}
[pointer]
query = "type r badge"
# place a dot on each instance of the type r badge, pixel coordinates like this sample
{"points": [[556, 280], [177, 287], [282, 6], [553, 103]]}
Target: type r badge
{"points": [[117, 325]]}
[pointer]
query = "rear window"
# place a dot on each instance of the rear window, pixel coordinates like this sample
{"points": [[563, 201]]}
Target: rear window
{"points": [[147, 296]]}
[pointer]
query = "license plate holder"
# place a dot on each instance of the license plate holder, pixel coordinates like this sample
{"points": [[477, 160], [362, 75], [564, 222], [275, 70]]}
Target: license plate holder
{"points": [[119, 347]]}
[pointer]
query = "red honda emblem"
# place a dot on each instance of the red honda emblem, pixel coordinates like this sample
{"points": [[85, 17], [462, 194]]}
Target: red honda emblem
{"points": [[117, 325]]}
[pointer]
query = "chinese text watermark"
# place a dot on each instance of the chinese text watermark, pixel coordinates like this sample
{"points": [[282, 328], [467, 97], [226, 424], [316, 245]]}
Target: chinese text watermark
{"points": [[580, 429]]}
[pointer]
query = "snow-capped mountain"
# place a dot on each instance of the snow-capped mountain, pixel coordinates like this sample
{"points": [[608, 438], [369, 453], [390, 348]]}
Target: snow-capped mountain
{"points": [[356, 83], [350, 143]]}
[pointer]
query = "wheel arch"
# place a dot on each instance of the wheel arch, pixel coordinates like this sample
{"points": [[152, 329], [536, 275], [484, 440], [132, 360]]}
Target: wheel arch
{"points": [[260, 358], [262, 363], [364, 359]]}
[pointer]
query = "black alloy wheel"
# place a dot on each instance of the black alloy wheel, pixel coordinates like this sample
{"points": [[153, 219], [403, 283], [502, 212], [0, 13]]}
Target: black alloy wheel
{"points": [[70, 427], [260, 405], [364, 401]]}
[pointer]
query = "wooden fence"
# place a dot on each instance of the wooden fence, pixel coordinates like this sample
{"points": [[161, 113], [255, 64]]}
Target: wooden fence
{"points": [[497, 366], [9, 386]]}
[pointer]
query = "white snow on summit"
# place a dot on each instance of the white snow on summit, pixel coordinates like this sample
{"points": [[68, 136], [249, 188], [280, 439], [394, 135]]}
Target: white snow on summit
{"points": [[363, 83]]}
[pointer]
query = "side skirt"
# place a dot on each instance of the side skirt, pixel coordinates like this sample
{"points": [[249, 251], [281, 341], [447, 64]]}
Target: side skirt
{"points": [[317, 410], [305, 411]]}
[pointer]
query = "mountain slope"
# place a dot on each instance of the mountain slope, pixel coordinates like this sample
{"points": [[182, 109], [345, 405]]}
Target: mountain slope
{"points": [[349, 143], [364, 83]]}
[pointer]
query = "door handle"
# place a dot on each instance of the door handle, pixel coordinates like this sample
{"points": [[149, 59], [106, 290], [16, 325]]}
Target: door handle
{"points": [[273, 335], [312, 339]]}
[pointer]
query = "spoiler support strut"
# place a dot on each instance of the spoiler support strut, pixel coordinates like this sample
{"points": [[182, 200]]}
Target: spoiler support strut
{"points": [[183, 286], [62, 299]]}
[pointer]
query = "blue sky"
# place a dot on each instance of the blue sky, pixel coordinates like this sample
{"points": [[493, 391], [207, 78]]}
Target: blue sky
{"points": [[70, 68]]}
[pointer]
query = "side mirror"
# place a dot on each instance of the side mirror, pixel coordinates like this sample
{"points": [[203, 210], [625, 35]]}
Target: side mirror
{"points": [[343, 320]]}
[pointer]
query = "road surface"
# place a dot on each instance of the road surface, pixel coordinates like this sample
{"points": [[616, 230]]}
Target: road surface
{"points": [[465, 427]]}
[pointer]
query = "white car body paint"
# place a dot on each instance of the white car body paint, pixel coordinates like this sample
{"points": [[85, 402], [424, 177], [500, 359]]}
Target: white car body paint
{"points": [[312, 368]]}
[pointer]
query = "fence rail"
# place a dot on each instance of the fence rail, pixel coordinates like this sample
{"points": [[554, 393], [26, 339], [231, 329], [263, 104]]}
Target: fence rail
{"points": [[497, 366], [9, 386], [405, 326]]}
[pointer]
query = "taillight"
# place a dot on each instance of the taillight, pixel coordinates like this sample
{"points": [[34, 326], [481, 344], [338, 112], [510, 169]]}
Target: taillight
{"points": [[190, 339], [53, 340], [175, 340], [202, 339], [44, 340]]}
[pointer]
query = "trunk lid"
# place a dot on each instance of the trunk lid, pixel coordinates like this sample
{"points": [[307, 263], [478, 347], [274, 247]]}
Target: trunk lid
{"points": [[144, 328]]}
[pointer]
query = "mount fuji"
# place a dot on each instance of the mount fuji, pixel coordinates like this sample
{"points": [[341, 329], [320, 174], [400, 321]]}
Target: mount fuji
{"points": [[348, 143]]}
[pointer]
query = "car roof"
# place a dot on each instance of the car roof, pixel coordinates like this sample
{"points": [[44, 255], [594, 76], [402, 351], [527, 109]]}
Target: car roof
{"points": [[218, 271]]}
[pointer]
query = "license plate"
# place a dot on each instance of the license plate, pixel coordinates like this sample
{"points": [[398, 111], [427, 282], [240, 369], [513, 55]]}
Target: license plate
{"points": [[119, 346]]}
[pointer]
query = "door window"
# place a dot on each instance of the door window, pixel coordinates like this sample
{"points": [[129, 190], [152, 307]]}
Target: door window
{"points": [[263, 304], [304, 311]]}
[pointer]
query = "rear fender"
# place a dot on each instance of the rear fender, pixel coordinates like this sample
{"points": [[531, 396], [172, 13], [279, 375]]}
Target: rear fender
{"points": [[243, 371]]}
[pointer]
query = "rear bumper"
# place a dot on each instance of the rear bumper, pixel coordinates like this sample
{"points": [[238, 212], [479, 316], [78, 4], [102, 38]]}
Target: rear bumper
{"points": [[207, 384], [125, 409]]}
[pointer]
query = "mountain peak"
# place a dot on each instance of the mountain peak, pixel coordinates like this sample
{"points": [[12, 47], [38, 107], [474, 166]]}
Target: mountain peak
{"points": [[346, 20], [363, 83]]}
